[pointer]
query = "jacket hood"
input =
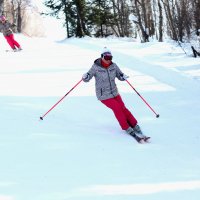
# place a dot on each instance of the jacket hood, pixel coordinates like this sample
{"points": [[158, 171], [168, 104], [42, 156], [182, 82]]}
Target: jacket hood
{"points": [[98, 62]]}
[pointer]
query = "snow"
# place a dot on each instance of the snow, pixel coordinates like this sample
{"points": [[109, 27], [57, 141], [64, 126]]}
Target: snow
{"points": [[78, 151]]}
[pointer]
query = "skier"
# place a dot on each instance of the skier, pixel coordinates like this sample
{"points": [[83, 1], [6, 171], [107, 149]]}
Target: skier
{"points": [[105, 71], [5, 28]]}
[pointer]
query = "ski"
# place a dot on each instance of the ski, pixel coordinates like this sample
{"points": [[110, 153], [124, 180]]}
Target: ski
{"points": [[143, 139], [7, 50], [10, 50], [147, 139], [137, 134]]}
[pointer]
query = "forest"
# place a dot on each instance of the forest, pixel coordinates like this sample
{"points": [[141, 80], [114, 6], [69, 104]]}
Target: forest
{"points": [[176, 19]]}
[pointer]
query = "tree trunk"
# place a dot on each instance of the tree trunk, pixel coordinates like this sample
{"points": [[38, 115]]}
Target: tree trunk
{"points": [[160, 39], [170, 19], [1, 6], [140, 23], [19, 18]]}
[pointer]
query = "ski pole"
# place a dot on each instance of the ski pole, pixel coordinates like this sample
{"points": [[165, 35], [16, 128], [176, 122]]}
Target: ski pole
{"points": [[26, 34], [157, 115], [59, 101]]}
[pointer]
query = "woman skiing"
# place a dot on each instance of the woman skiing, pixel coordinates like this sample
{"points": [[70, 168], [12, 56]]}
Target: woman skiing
{"points": [[5, 28], [105, 71]]}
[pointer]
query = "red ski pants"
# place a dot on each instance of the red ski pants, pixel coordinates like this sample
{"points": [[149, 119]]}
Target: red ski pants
{"points": [[11, 41], [123, 115]]}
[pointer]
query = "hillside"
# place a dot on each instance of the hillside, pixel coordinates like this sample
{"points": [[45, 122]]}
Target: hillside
{"points": [[78, 151]]}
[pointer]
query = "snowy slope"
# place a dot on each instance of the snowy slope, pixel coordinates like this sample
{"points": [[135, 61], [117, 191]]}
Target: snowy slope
{"points": [[78, 151]]}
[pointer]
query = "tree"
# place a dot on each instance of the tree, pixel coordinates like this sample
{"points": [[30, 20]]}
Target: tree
{"points": [[74, 12], [139, 10], [120, 23], [160, 27], [58, 7], [100, 17], [196, 15], [81, 29]]}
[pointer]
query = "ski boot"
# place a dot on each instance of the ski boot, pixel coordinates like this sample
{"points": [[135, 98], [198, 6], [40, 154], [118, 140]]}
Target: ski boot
{"points": [[138, 133]]}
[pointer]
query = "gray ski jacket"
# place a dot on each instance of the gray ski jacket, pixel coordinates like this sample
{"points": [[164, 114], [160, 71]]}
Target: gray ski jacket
{"points": [[5, 28], [104, 79]]}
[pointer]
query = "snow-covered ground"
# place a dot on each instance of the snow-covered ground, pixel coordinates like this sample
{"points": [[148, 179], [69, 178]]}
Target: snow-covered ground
{"points": [[78, 151]]}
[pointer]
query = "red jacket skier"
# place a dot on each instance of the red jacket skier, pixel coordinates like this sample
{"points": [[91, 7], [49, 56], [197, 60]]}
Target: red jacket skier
{"points": [[105, 71], [5, 28]]}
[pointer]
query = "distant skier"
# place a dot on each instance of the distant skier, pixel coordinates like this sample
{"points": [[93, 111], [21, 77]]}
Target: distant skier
{"points": [[5, 28], [105, 71]]}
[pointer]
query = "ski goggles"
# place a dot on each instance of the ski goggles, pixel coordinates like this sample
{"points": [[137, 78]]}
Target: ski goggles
{"points": [[107, 56]]}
